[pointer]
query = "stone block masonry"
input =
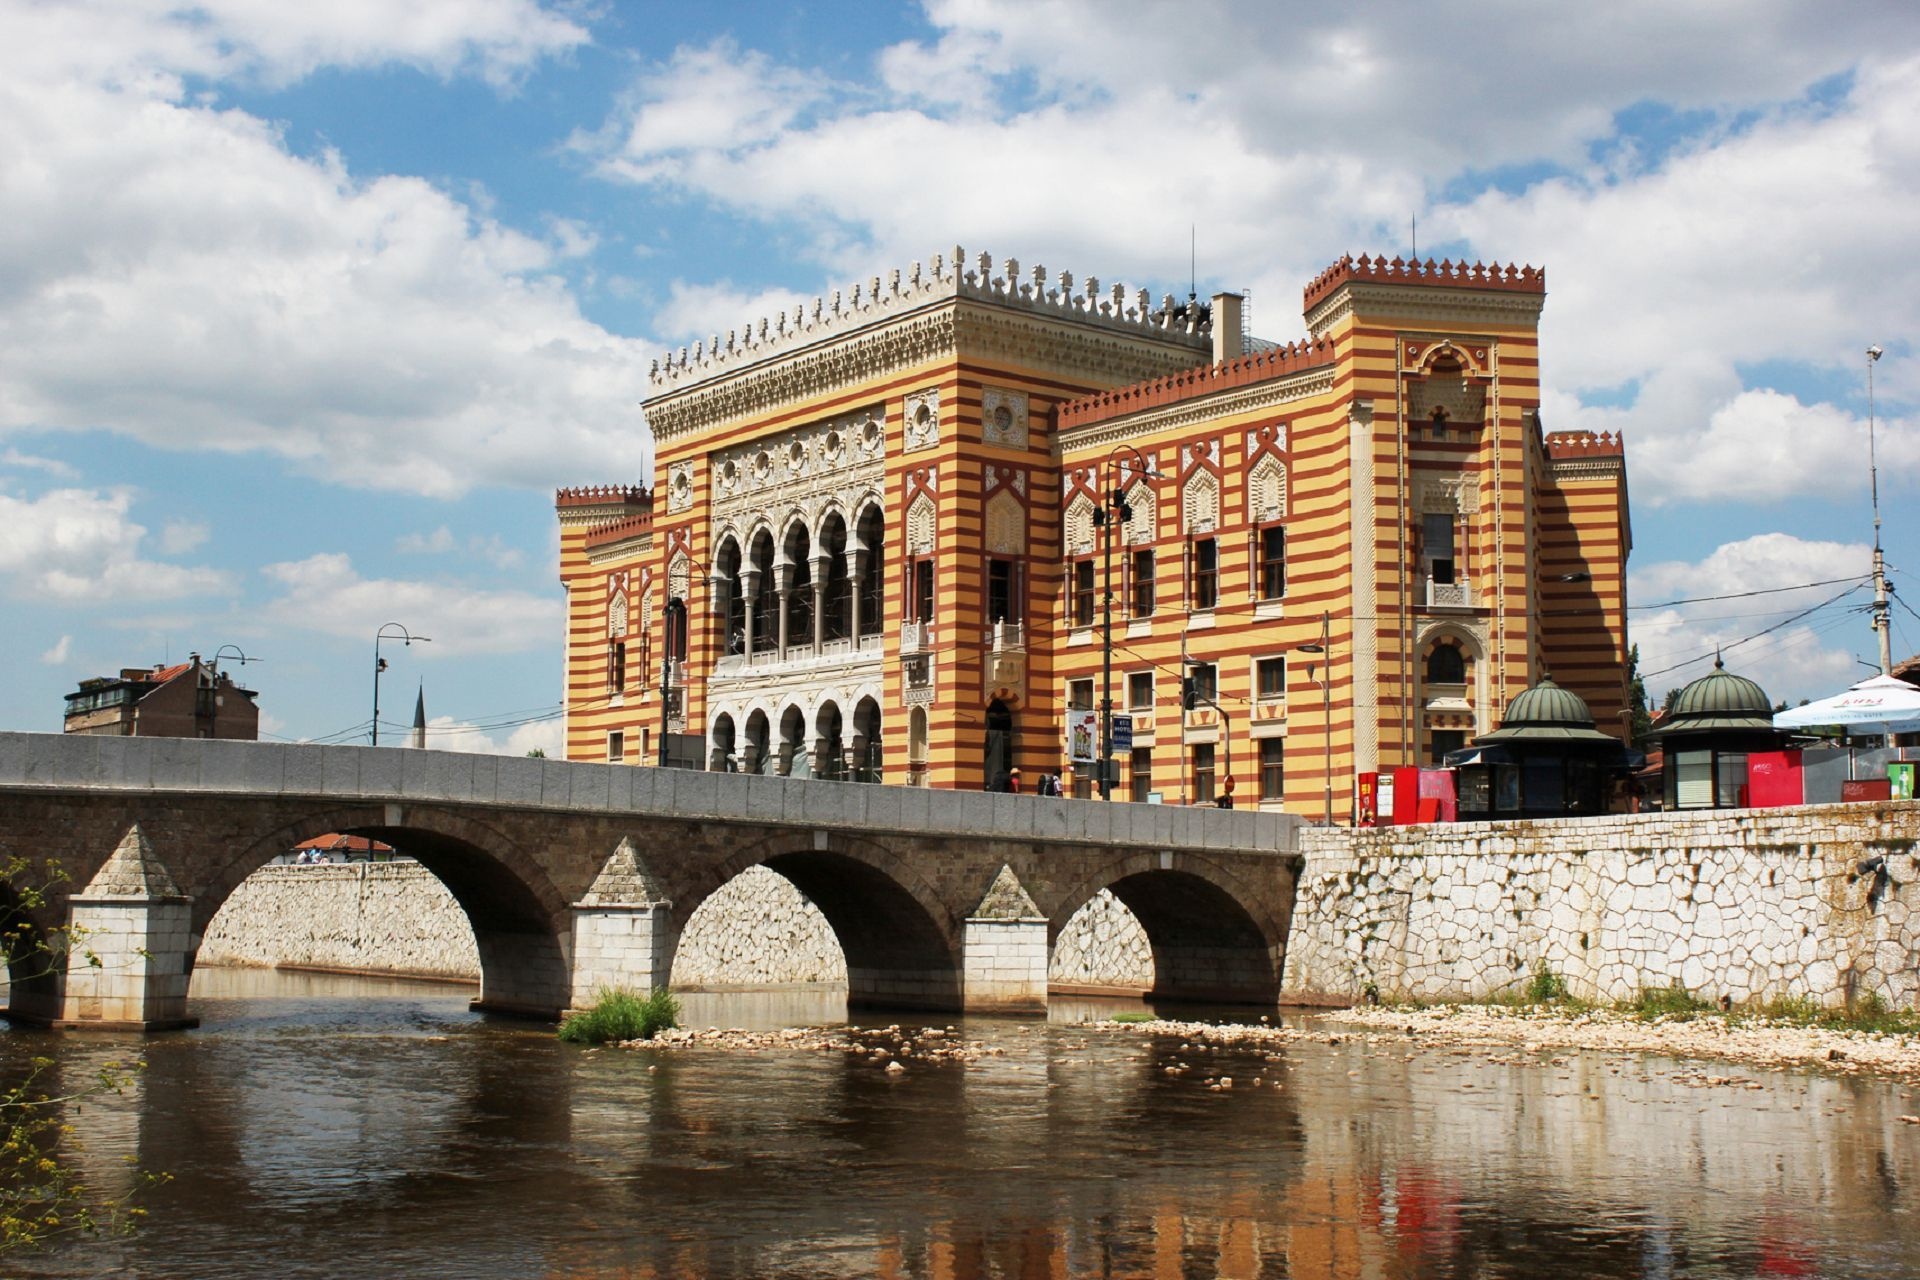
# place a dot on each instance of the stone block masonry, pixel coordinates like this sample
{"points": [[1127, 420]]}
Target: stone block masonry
{"points": [[383, 917], [1751, 905], [757, 931]]}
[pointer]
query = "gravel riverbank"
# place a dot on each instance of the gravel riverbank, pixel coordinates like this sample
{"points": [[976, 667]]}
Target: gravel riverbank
{"points": [[1750, 1041], [1511, 1033]]}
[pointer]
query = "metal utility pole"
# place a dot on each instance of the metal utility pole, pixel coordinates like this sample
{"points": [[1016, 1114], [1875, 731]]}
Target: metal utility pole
{"points": [[1882, 616], [1324, 651]]}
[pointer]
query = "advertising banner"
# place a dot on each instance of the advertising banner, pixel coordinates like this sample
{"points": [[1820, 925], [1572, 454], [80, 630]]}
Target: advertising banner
{"points": [[1083, 736]]}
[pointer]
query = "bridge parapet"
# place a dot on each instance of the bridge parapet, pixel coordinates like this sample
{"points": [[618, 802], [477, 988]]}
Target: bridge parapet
{"points": [[268, 769]]}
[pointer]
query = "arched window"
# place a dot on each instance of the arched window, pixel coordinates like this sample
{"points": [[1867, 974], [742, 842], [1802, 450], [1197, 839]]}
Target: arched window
{"points": [[766, 634], [733, 620], [873, 536], [1446, 665], [839, 593], [799, 553]]}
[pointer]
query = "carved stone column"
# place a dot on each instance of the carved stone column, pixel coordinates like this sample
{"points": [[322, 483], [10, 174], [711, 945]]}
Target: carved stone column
{"points": [[820, 567], [857, 579], [750, 583]]}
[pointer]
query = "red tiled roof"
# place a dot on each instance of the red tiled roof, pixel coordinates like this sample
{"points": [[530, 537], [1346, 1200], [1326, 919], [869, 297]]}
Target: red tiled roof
{"points": [[1258, 366], [618, 529], [334, 842]]}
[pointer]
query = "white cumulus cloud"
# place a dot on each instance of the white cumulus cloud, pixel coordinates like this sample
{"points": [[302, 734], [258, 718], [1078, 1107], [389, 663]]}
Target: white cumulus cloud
{"points": [[82, 545], [1756, 623], [324, 593], [174, 273]]}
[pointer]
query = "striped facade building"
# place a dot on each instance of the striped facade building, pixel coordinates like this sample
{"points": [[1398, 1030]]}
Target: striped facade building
{"points": [[917, 533]]}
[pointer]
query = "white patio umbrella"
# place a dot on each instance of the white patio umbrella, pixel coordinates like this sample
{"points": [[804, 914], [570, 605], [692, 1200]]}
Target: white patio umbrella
{"points": [[1878, 705]]}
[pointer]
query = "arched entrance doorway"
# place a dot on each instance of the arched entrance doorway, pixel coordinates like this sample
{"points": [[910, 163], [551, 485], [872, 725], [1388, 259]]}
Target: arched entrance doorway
{"points": [[999, 746]]}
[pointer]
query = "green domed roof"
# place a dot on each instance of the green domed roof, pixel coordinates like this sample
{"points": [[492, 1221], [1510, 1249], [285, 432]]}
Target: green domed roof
{"points": [[1719, 701], [1547, 713], [1548, 704]]}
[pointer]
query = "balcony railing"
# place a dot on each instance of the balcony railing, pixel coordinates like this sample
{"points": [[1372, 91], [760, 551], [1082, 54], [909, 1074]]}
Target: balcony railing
{"points": [[915, 637], [1449, 595], [1007, 637]]}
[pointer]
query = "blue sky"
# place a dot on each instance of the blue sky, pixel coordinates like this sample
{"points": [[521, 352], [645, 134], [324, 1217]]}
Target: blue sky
{"points": [[305, 310]]}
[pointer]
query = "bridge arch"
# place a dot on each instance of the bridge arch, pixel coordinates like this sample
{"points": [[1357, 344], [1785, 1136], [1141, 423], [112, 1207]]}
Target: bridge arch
{"points": [[900, 940], [1212, 934], [521, 921]]}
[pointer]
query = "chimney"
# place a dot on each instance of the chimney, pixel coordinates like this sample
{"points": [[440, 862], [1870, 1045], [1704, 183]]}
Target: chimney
{"points": [[1227, 319]]}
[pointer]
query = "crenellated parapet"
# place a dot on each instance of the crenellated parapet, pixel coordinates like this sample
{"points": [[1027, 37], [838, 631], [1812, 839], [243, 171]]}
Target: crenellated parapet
{"points": [[599, 495], [1585, 444], [940, 279], [1255, 367], [595, 507], [1429, 274]]}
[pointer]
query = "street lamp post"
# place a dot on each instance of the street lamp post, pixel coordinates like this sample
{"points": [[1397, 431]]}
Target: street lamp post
{"points": [[1882, 615], [213, 717], [1325, 681], [1192, 697], [1113, 506], [380, 664]]}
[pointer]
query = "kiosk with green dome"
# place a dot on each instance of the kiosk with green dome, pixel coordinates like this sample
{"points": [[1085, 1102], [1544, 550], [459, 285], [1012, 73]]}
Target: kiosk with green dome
{"points": [[1546, 760]]}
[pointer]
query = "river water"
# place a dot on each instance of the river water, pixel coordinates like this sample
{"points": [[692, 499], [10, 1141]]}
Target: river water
{"points": [[330, 1126]]}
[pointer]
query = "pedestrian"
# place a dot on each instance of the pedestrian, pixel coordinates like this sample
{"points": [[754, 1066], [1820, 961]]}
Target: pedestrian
{"points": [[1013, 781]]}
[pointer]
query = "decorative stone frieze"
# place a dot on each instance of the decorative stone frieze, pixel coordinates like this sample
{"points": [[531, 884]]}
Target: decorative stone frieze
{"points": [[679, 486], [934, 310], [920, 415], [1003, 418]]}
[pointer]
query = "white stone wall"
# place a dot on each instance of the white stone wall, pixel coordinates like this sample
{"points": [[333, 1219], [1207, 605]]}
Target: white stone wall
{"points": [[1102, 946], [756, 931], [1747, 904], [387, 917]]}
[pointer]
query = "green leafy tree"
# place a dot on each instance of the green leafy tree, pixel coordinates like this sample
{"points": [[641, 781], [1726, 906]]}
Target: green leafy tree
{"points": [[43, 1195], [1637, 698]]}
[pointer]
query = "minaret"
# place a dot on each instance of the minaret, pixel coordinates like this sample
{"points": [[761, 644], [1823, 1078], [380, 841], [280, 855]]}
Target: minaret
{"points": [[419, 738]]}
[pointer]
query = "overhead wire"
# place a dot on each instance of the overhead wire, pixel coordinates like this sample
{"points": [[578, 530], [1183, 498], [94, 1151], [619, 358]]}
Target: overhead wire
{"points": [[1734, 644]]}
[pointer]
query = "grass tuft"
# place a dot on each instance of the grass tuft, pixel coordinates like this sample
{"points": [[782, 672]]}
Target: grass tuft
{"points": [[623, 1015], [1134, 1017], [1546, 986], [1675, 1002], [1867, 1013]]}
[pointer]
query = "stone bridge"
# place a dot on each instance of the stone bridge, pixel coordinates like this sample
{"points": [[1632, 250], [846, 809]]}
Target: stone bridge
{"points": [[578, 877]]}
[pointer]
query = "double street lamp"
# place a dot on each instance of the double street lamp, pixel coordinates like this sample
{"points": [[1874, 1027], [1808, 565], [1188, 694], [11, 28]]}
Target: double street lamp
{"points": [[387, 631]]}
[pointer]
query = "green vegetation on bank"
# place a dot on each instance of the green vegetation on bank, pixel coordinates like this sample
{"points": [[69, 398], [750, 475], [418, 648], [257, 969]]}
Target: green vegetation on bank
{"points": [[623, 1015], [44, 1194], [1547, 990]]}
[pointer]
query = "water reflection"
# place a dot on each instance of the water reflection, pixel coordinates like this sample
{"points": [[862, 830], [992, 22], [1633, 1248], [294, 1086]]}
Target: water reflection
{"points": [[321, 1125]]}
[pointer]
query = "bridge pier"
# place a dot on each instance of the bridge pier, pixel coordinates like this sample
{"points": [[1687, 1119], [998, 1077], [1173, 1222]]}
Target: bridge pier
{"points": [[125, 962], [1004, 952], [521, 974], [623, 931]]}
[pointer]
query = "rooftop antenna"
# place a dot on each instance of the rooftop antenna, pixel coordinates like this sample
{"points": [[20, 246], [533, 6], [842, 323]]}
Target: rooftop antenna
{"points": [[1193, 263], [1416, 237], [1882, 616]]}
